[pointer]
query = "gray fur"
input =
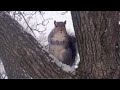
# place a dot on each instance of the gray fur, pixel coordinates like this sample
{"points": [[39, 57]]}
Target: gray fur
{"points": [[62, 45]]}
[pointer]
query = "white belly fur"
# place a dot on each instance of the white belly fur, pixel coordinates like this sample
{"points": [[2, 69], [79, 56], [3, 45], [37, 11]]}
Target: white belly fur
{"points": [[58, 50]]}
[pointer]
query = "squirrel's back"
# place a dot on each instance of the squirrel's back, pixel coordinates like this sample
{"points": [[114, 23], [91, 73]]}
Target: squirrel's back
{"points": [[62, 45]]}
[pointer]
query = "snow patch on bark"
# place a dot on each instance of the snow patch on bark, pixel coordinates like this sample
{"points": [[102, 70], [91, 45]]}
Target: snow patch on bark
{"points": [[65, 67]]}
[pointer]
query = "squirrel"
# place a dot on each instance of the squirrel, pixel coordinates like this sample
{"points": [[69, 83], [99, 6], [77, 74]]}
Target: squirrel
{"points": [[61, 44]]}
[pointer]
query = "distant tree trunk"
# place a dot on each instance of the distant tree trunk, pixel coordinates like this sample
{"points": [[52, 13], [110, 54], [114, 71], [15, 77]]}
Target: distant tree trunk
{"points": [[22, 56], [98, 37]]}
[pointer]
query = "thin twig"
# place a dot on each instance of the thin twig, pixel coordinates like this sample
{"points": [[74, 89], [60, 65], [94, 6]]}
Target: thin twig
{"points": [[44, 19], [63, 13], [27, 24]]}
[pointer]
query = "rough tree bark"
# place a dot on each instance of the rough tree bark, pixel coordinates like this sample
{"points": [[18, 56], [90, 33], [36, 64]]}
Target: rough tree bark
{"points": [[98, 37], [22, 56]]}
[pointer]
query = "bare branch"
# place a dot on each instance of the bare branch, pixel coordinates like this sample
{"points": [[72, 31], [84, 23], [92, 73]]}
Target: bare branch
{"points": [[43, 22], [40, 31], [63, 13], [27, 23]]}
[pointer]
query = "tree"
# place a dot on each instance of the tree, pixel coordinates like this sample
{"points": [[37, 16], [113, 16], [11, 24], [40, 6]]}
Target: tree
{"points": [[98, 40], [22, 55], [97, 34]]}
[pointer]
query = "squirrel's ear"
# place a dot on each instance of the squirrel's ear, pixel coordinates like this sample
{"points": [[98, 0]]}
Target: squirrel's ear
{"points": [[55, 23], [65, 22]]}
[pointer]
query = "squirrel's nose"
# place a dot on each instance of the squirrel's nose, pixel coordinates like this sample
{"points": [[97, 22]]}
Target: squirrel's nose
{"points": [[61, 30]]}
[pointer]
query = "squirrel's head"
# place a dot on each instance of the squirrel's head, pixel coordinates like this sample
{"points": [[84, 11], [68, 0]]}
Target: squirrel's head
{"points": [[60, 25]]}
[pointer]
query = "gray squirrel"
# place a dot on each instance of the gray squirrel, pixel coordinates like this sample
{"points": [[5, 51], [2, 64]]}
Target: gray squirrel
{"points": [[61, 44]]}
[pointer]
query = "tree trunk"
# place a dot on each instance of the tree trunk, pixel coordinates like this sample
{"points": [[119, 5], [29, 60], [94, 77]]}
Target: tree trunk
{"points": [[98, 40], [22, 56]]}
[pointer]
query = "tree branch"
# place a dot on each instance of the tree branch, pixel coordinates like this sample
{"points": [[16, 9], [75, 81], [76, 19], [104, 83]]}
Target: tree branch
{"points": [[27, 23]]}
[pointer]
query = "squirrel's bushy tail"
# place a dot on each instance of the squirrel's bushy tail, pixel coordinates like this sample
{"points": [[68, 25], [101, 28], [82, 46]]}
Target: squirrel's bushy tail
{"points": [[72, 46]]}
